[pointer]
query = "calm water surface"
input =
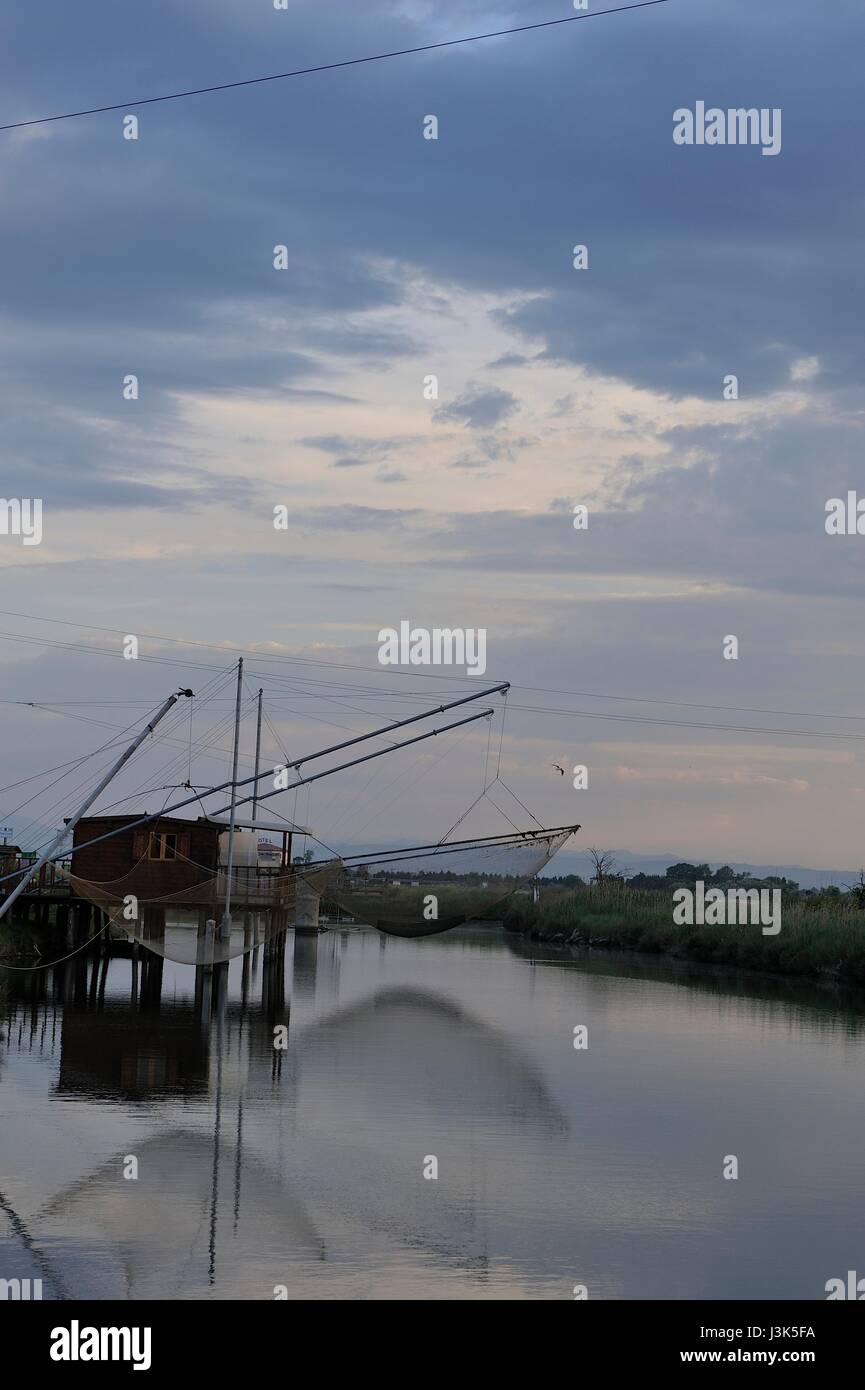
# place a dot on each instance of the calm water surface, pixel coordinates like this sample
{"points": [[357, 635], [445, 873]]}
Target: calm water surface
{"points": [[303, 1168]]}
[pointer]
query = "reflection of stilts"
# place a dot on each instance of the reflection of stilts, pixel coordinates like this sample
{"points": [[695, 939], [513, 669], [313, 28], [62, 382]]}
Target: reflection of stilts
{"points": [[220, 990], [219, 976], [225, 921], [273, 978], [153, 929], [65, 928], [305, 963], [104, 962], [248, 940], [150, 995], [203, 996], [67, 980], [99, 962], [276, 1010], [79, 979]]}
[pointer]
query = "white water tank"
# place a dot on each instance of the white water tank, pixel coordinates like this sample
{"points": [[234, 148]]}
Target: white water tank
{"points": [[245, 854]]}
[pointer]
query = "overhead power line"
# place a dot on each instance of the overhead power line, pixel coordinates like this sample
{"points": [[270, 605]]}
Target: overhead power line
{"points": [[686, 723], [328, 67], [374, 692]]}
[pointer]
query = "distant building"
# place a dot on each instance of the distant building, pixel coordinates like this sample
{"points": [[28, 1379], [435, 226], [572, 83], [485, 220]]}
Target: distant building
{"points": [[8, 857], [10, 860]]}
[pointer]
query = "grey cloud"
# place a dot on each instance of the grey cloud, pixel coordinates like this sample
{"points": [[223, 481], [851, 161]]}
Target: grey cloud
{"points": [[470, 464], [678, 238], [350, 451], [299, 393], [356, 518], [375, 345], [510, 359], [745, 510], [479, 408]]}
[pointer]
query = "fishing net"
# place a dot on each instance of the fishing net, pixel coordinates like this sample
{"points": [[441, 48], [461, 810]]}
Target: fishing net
{"points": [[185, 925], [423, 891], [408, 892]]}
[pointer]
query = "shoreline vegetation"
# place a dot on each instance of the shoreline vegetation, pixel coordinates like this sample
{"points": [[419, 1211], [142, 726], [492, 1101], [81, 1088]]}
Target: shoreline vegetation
{"points": [[822, 934]]}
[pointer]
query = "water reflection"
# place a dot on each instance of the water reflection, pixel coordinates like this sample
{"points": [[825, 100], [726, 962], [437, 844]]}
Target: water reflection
{"points": [[161, 1236], [261, 1167], [815, 1004], [418, 1061]]}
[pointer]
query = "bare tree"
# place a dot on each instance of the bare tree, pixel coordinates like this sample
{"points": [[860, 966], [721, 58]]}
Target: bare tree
{"points": [[604, 865], [857, 890]]}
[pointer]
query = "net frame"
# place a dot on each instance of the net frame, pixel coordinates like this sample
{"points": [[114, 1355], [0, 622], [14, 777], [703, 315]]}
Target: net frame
{"points": [[294, 892]]}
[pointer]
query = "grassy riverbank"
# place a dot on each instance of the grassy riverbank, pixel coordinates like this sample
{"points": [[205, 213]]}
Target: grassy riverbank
{"points": [[815, 940], [15, 938]]}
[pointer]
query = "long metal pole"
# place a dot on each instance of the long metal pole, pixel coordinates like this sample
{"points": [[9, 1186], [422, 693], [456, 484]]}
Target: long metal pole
{"points": [[225, 924], [379, 753], [257, 755], [310, 757], [524, 836], [70, 826]]}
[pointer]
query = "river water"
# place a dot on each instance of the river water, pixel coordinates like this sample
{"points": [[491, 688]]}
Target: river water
{"points": [[267, 1171]]}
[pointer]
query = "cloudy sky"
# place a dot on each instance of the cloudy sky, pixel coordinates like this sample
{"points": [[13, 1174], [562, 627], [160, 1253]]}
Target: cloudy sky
{"points": [[409, 258]]}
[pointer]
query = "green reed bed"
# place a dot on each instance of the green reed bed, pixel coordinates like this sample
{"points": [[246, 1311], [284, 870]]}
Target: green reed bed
{"points": [[822, 939]]}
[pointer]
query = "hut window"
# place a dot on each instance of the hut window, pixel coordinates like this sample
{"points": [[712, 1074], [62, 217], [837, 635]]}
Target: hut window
{"points": [[163, 846]]}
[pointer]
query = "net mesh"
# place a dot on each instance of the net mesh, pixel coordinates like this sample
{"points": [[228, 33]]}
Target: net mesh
{"points": [[186, 925], [420, 893], [410, 893]]}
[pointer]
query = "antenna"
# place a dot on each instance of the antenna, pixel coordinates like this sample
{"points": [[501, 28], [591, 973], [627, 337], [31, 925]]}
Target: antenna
{"points": [[70, 825]]}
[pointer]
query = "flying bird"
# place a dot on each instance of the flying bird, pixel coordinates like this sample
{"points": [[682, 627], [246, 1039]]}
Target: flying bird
{"points": [[558, 769]]}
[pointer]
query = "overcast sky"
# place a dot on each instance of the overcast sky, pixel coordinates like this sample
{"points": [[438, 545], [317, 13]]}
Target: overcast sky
{"points": [[407, 258]]}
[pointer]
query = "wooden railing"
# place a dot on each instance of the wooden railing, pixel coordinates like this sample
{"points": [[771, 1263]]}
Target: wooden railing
{"points": [[48, 882]]}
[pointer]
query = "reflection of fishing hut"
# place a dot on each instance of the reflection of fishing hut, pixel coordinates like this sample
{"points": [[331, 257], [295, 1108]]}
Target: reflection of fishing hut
{"points": [[164, 1054]]}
